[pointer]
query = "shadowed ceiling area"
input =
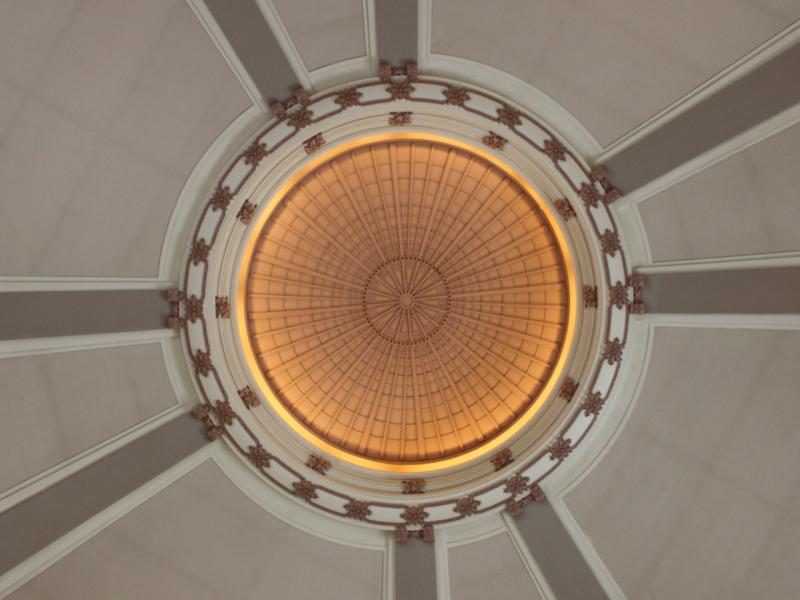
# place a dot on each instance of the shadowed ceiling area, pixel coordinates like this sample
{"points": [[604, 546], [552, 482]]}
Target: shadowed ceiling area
{"points": [[409, 300]]}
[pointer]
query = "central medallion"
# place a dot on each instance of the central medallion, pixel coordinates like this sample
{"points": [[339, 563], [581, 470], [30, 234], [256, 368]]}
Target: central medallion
{"points": [[407, 302]]}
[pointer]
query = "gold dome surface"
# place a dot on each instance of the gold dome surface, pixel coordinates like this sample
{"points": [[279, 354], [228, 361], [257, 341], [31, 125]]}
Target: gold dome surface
{"points": [[407, 301]]}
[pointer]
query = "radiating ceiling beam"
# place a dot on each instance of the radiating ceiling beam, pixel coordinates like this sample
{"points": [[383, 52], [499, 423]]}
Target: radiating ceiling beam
{"points": [[250, 46], [25, 315], [415, 571], [39, 520], [765, 92], [396, 30], [773, 291], [557, 556]]}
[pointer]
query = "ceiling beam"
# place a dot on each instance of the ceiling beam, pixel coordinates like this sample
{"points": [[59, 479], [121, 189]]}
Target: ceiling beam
{"points": [[770, 89], [250, 46]]}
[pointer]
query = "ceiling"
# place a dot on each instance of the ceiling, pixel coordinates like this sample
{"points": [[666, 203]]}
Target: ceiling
{"points": [[112, 116]]}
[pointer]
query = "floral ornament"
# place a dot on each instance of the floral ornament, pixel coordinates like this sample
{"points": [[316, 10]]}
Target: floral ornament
{"points": [[618, 295], [590, 296], [612, 351], [565, 209], [174, 298], [259, 456], [358, 510], [589, 195], [278, 109], [560, 448], [305, 489], [537, 493], [199, 251], [456, 96], [400, 90], [348, 97], [516, 484], [466, 506], [514, 507], [300, 118], [194, 308], [399, 118], [249, 397], [498, 142], [599, 174], [609, 242], [568, 389], [223, 307], [413, 486], [427, 534], [636, 282], [246, 212], [555, 150], [313, 143], [224, 412], [414, 515], [401, 534], [203, 414], [318, 464], [509, 116], [222, 198], [202, 362], [592, 404], [502, 459], [612, 196], [255, 153]]}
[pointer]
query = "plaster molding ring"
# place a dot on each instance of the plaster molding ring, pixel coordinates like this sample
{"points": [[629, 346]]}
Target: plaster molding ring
{"points": [[225, 415]]}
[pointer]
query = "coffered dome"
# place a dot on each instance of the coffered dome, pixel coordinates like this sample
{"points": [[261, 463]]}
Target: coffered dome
{"points": [[407, 300]]}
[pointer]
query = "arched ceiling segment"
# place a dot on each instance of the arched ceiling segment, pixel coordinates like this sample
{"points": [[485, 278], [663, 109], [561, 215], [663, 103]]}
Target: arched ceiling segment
{"points": [[615, 64], [697, 497], [106, 108], [324, 32]]}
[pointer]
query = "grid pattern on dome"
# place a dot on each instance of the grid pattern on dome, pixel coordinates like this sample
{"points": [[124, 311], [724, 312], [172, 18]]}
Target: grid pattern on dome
{"points": [[407, 301]]}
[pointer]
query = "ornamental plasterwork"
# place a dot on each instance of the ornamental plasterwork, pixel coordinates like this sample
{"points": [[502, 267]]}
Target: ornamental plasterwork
{"points": [[224, 412]]}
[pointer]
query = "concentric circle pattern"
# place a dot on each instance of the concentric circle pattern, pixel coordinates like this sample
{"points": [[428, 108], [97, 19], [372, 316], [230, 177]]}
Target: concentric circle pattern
{"points": [[407, 301]]}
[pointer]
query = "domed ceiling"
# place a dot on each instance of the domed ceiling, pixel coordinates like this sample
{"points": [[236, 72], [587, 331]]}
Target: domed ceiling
{"points": [[464, 299], [407, 300]]}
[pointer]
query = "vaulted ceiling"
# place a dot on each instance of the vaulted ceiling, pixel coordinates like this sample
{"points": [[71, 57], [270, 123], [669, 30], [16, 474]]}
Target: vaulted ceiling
{"points": [[114, 114]]}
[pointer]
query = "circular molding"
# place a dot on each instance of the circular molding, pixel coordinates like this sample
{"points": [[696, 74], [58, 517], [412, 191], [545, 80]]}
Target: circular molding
{"points": [[234, 407], [407, 331]]}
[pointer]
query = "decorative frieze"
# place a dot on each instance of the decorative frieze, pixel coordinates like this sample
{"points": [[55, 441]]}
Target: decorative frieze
{"points": [[314, 143]]}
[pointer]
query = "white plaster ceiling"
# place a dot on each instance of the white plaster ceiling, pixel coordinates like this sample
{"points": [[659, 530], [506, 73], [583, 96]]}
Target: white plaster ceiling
{"points": [[104, 109], [202, 538], [68, 402], [324, 32], [697, 498], [612, 64], [746, 204]]}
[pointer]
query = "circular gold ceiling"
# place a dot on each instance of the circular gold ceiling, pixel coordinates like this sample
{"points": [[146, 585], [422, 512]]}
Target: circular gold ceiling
{"points": [[407, 301]]}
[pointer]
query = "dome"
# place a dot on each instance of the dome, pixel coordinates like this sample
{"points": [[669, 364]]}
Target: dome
{"points": [[407, 300]]}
